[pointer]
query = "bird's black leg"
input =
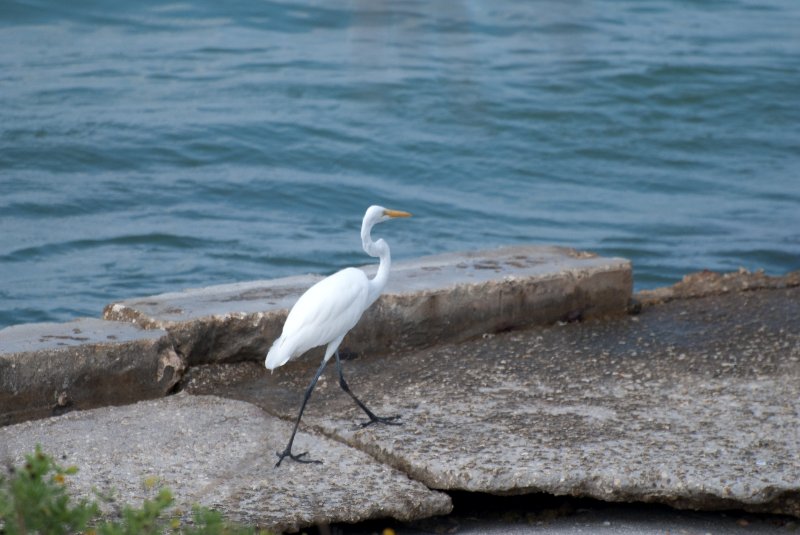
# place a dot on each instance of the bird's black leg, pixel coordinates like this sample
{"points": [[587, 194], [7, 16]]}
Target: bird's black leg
{"points": [[288, 451], [372, 417]]}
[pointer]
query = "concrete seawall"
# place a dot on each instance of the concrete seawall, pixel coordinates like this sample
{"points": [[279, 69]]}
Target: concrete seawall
{"points": [[144, 346], [516, 370], [430, 300]]}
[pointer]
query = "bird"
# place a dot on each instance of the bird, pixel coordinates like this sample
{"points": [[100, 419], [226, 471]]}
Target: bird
{"points": [[326, 312]]}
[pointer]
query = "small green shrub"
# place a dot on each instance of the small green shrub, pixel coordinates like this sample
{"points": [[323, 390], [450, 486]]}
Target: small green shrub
{"points": [[34, 499]]}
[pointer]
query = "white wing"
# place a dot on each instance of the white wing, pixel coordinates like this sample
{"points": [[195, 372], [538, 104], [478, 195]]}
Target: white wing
{"points": [[324, 313]]}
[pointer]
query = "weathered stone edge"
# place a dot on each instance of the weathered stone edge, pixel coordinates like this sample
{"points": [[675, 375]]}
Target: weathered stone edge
{"points": [[706, 283], [778, 499], [48, 382], [411, 320]]}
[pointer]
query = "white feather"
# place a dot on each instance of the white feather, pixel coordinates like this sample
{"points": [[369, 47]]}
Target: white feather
{"points": [[333, 306], [325, 312]]}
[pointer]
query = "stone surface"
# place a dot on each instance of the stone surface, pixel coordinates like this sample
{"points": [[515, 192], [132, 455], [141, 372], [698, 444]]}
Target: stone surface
{"points": [[428, 301], [704, 283], [693, 403], [220, 453], [51, 368]]}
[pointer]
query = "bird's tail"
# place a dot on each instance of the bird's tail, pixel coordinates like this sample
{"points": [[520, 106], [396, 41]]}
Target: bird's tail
{"points": [[278, 355]]}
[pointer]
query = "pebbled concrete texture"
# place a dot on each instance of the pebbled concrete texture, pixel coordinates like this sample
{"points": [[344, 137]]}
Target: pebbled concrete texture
{"points": [[428, 301], [47, 369], [220, 453], [694, 403]]}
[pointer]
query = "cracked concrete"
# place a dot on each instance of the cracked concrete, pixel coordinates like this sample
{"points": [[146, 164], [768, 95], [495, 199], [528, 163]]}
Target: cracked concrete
{"points": [[220, 453], [693, 403]]}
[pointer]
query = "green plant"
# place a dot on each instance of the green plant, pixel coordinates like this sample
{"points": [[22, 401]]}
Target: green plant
{"points": [[146, 520], [34, 499]]}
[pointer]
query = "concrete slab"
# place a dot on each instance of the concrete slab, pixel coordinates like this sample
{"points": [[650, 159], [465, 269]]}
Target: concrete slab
{"points": [[220, 453], [51, 368], [694, 403], [704, 283], [429, 300]]}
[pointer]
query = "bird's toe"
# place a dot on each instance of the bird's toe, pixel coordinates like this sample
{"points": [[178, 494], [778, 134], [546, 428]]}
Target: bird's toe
{"points": [[388, 420], [298, 457]]}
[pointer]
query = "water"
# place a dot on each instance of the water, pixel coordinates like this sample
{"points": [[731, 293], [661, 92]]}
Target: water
{"points": [[148, 146]]}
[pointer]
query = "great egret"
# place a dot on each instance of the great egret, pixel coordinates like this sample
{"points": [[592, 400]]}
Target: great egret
{"points": [[327, 311]]}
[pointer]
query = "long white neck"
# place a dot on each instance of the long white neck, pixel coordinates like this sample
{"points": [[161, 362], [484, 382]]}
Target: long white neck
{"points": [[378, 249]]}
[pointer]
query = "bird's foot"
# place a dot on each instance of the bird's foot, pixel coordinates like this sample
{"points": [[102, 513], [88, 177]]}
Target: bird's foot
{"points": [[388, 420], [297, 458]]}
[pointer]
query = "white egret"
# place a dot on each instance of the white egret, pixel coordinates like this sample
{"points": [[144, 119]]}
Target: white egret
{"points": [[327, 311]]}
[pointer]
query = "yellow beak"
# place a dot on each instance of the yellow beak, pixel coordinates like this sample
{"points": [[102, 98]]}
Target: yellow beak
{"points": [[396, 213]]}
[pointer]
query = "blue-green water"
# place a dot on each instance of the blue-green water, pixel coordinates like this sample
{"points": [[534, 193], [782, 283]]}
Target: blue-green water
{"points": [[149, 146]]}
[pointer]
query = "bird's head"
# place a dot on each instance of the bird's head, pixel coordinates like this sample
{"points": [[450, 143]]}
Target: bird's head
{"points": [[375, 215], [378, 214]]}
